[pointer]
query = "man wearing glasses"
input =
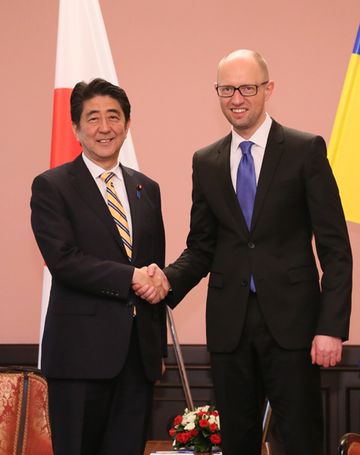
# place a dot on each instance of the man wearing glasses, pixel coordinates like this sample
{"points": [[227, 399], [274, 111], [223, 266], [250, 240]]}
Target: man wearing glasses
{"points": [[260, 195]]}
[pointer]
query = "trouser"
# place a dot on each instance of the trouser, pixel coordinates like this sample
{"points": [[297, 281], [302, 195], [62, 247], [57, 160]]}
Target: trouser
{"points": [[105, 416], [260, 368]]}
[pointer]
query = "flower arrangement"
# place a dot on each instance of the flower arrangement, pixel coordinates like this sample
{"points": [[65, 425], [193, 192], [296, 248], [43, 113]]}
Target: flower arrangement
{"points": [[198, 429]]}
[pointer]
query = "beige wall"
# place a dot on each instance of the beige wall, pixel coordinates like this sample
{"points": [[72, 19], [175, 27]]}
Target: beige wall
{"points": [[166, 54]]}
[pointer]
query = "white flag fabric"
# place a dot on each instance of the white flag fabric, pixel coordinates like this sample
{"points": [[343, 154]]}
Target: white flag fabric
{"points": [[83, 53]]}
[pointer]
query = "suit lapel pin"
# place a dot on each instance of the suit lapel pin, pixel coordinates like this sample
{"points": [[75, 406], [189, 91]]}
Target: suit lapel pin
{"points": [[138, 191]]}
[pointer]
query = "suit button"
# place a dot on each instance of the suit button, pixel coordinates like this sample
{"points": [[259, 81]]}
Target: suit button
{"points": [[244, 283], [251, 245]]}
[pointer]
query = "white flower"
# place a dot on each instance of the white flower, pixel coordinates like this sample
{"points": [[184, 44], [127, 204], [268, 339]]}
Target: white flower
{"points": [[188, 417], [189, 426], [212, 419], [203, 408]]}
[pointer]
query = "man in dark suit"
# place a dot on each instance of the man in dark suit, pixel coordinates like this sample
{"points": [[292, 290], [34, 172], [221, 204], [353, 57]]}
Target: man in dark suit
{"points": [[260, 195], [97, 224]]}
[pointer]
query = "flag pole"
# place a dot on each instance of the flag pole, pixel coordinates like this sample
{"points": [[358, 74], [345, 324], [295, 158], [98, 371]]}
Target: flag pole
{"points": [[180, 360], [266, 425]]}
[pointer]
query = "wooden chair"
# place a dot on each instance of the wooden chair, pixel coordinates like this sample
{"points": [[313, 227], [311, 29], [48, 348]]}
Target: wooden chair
{"points": [[350, 444], [24, 422]]}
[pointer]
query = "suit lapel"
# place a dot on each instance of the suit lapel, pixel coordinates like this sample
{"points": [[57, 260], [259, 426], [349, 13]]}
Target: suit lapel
{"points": [[85, 185], [273, 152]]}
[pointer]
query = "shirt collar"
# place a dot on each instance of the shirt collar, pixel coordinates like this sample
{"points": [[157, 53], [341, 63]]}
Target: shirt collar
{"points": [[96, 170], [259, 137]]}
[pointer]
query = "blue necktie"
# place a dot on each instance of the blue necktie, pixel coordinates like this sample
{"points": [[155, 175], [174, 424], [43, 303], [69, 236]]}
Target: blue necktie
{"points": [[246, 182], [246, 187]]}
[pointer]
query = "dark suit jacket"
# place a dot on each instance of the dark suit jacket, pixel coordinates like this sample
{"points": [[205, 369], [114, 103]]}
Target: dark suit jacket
{"points": [[90, 313], [297, 198]]}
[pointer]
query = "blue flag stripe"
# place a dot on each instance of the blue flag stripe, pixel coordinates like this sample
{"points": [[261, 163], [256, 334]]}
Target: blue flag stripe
{"points": [[356, 49]]}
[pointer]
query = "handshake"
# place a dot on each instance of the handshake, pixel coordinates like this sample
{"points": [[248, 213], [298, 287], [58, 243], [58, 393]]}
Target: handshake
{"points": [[150, 283]]}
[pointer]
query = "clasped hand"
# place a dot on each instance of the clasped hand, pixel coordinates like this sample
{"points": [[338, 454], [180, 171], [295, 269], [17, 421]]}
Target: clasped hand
{"points": [[150, 283]]}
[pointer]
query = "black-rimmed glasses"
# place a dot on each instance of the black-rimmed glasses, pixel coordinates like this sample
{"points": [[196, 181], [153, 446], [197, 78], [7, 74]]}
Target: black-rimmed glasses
{"points": [[227, 91]]}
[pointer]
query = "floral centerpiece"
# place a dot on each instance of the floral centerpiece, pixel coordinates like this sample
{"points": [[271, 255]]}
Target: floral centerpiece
{"points": [[198, 430]]}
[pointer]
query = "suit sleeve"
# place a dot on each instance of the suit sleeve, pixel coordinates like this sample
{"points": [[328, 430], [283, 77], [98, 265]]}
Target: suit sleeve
{"points": [[68, 264], [332, 243], [195, 261]]}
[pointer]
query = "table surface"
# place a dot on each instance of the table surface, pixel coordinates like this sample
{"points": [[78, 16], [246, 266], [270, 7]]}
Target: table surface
{"points": [[151, 446], [157, 445]]}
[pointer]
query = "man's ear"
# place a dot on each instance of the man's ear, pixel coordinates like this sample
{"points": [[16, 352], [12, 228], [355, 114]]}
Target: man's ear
{"points": [[75, 131], [269, 89], [127, 126]]}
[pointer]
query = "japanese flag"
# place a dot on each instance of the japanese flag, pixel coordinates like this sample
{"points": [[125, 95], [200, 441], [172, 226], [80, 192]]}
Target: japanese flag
{"points": [[83, 53]]}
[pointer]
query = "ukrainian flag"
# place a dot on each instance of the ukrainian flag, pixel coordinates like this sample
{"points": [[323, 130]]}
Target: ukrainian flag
{"points": [[344, 147]]}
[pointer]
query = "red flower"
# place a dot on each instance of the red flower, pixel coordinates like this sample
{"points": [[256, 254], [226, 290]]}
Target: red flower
{"points": [[178, 420], [188, 436], [215, 438], [172, 432], [203, 423], [213, 427], [184, 437], [180, 437], [194, 432]]}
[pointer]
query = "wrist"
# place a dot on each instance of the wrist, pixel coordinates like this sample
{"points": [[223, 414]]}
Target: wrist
{"points": [[136, 275]]}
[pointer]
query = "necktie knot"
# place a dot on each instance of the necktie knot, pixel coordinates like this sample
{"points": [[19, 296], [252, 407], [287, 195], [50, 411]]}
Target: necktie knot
{"points": [[245, 147], [107, 176]]}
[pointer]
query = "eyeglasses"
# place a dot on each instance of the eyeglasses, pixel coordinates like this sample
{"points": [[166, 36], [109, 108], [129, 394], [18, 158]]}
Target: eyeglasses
{"points": [[227, 91]]}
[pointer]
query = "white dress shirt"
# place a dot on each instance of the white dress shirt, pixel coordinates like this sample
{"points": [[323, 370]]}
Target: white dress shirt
{"points": [[118, 181], [259, 138]]}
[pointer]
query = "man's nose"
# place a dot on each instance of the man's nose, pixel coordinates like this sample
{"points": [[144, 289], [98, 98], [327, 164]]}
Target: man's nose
{"points": [[237, 97], [104, 125]]}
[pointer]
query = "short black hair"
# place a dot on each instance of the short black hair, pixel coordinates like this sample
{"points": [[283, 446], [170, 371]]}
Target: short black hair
{"points": [[83, 92]]}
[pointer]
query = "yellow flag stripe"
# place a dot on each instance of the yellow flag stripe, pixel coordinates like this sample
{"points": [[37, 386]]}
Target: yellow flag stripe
{"points": [[344, 146]]}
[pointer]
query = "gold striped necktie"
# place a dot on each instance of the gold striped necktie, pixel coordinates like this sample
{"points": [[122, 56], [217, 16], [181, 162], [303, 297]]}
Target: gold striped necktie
{"points": [[117, 211]]}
